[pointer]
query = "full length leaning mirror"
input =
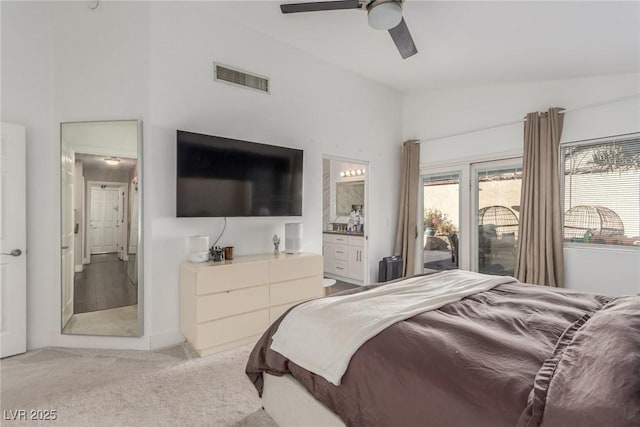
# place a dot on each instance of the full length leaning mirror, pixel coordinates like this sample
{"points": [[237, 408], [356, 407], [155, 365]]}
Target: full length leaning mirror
{"points": [[101, 228]]}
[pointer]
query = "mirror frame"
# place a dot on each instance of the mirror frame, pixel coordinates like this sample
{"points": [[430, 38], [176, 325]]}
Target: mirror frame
{"points": [[139, 217]]}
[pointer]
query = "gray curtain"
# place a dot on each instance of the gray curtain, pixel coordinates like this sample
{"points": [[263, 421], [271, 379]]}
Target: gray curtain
{"points": [[407, 231], [540, 259]]}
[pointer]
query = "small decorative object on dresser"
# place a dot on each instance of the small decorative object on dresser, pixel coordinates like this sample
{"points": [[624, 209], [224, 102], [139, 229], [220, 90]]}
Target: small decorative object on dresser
{"points": [[199, 248], [216, 253], [276, 243], [293, 237]]}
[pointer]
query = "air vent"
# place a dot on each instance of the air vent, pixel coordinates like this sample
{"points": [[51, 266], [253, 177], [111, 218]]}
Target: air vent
{"points": [[241, 78]]}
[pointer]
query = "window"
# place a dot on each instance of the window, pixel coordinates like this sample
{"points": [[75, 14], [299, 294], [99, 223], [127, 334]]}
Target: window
{"points": [[441, 222], [497, 189], [602, 191]]}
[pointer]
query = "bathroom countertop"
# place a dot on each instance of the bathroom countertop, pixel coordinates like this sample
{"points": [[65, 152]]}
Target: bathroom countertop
{"points": [[344, 233]]}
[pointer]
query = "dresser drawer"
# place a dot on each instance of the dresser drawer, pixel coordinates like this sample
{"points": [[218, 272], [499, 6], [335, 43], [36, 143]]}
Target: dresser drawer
{"points": [[340, 252], [227, 277], [296, 290], [229, 329], [229, 303], [295, 267]]}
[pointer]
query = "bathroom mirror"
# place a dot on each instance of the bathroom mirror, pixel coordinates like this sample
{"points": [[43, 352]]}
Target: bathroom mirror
{"points": [[101, 228], [348, 194]]}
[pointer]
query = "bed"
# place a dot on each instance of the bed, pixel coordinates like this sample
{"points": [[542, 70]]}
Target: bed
{"points": [[512, 355]]}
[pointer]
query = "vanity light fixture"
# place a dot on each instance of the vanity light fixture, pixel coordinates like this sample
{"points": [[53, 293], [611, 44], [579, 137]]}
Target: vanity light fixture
{"points": [[112, 161], [353, 172]]}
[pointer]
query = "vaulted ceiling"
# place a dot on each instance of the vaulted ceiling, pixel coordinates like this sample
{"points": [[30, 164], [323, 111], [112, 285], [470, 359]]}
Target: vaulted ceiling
{"points": [[463, 43]]}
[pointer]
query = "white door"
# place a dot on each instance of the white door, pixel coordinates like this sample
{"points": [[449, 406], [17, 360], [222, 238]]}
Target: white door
{"points": [[13, 232], [67, 165], [104, 219]]}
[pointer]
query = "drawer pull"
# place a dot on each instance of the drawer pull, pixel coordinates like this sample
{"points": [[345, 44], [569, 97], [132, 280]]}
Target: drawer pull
{"points": [[339, 252], [339, 268]]}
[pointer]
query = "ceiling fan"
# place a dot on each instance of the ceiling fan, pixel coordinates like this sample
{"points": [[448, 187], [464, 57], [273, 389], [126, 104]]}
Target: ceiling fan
{"points": [[382, 14]]}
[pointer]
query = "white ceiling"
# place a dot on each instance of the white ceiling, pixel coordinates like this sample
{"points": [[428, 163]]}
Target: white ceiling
{"points": [[467, 43], [96, 169]]}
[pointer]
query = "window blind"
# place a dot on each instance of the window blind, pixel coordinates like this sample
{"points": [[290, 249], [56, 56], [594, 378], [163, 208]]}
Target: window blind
{"points": [[601, 183]]}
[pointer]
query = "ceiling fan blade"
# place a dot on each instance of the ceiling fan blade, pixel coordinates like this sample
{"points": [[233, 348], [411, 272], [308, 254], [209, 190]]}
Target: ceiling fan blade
{"points": [[319, 6], [403, 40]]}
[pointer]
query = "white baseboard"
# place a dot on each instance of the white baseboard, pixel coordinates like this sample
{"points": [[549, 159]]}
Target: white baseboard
{"points": [[102, 342], [166, 339], [78, 268]]}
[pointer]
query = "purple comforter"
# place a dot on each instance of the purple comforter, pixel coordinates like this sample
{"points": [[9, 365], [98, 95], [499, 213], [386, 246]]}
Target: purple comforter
{"points": [[518, 354]]}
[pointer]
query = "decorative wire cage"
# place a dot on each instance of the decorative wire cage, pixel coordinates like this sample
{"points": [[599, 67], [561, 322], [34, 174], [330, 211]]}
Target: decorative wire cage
{"points": [[500, 218], [596, 220]]}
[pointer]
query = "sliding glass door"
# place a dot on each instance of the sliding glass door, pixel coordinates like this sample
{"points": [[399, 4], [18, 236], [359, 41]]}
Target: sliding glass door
{"points": [[496, 189], [441, 222]]}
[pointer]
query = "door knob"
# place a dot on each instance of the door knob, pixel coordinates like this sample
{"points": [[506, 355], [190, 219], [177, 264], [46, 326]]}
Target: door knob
{"points": [[15, 252]]}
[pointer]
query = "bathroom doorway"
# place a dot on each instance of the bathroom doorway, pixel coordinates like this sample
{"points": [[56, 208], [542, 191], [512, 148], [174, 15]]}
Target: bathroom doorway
{"points": [[345, 231]]}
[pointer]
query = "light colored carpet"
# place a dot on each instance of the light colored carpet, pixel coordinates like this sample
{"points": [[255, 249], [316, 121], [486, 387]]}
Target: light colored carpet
{"points": [[170, 387], [120, 322]]}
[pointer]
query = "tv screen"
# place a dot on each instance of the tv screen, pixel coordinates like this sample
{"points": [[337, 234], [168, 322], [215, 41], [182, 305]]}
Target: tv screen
{"points": [[219, 177]]}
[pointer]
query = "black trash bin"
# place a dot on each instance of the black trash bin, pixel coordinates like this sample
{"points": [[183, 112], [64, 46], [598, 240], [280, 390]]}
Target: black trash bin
{"points": [[389, 268]]}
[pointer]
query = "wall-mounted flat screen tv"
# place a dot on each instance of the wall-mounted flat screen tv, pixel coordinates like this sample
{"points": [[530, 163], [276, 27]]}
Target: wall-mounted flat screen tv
{"points": [[219, 177]]}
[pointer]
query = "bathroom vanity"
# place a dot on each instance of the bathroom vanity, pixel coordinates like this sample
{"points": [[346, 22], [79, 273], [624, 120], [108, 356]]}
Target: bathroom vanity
{"points": [[344, 256]]}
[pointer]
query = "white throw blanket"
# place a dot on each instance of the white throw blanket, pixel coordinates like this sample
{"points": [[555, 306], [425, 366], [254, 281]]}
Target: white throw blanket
{"points": [[322, 335]]}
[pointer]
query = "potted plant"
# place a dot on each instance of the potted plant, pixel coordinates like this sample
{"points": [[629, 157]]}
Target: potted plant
{"points": [[446, 226], [432, 220], [437, 221]]}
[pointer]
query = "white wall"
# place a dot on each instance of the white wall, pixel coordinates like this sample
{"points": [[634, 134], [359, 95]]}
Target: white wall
{"points": [[429, 115], [63, 62], [312, 106], [27, 98]]}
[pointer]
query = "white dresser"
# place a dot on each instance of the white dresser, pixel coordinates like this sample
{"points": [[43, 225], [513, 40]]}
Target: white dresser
{"points": [[229, 303]]}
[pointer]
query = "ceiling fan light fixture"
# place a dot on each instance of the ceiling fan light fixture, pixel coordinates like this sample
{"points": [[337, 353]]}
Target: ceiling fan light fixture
{"points": [[112, 161], [384, 14]]}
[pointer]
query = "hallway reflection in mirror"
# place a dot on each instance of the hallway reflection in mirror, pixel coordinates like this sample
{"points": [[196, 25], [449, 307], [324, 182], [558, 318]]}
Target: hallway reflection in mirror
{"points": [[100, 228]]}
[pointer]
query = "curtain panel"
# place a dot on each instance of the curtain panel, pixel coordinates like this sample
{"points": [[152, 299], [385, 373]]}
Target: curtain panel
{"points": [[539, 257], [407, 231]]}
